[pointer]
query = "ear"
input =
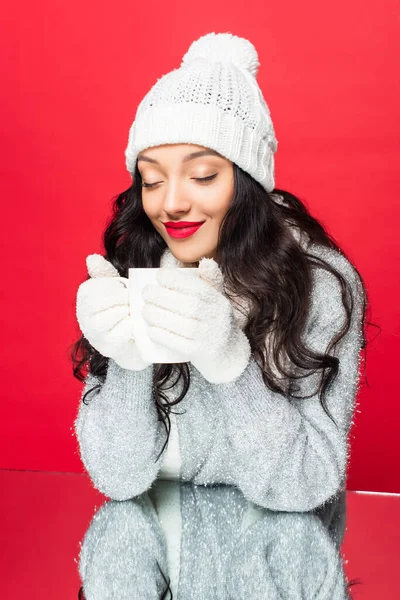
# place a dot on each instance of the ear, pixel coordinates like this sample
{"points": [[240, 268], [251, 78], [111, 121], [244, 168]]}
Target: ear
{"points": [[210, 272], [98, 266]]}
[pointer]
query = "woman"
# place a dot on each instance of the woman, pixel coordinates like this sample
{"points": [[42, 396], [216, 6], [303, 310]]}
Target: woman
{"points": [[274, 325]]}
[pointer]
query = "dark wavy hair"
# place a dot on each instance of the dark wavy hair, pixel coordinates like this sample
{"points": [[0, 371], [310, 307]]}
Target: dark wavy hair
{"points": [[261, 261]]}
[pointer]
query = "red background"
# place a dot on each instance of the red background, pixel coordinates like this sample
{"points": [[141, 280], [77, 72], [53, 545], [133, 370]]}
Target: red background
{"points": [[72, 76]]}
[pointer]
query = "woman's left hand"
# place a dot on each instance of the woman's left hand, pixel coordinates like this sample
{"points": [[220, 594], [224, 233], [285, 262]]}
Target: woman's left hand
{"points": [[190, 314]]}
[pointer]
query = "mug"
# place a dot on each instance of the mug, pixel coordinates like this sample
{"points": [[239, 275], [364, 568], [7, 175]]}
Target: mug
{"points": [[150, 351]]}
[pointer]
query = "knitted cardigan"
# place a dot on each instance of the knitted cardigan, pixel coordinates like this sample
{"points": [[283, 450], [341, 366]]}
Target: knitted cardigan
{"points": [[282, 453]]}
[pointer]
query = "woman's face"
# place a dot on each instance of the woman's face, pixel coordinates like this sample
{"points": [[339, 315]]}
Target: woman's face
{"points": [[173, 192]]}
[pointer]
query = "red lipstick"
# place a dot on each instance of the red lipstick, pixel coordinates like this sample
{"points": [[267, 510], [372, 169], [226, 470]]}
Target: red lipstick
{"points": [[182, 229]]}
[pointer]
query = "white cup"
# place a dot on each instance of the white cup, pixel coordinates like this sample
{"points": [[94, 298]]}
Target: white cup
{"points": [[149, 350]]}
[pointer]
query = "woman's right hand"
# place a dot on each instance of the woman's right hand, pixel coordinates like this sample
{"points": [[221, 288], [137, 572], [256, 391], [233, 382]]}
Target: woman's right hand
{"points": [[102, 310]]}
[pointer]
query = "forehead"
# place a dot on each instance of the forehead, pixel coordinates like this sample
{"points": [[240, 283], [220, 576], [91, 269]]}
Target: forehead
{"points": [[180, 152]]}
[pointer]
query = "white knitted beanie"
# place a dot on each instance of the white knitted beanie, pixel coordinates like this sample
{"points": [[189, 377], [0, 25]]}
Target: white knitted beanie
{"points": [[212, 100]]}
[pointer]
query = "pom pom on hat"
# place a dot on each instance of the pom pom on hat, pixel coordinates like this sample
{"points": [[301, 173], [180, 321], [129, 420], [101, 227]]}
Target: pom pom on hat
{"points": [[224, 47]]}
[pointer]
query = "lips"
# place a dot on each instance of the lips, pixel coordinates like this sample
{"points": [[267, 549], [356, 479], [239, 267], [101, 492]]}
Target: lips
{"points": [[182, 229], [181, 224]]}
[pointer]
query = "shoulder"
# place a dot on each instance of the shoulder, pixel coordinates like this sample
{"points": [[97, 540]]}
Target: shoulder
{"points": [[328, 293], [334, 258]]}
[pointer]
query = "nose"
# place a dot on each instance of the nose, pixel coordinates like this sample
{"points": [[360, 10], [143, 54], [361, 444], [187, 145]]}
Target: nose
{"points": [[176, 200]]}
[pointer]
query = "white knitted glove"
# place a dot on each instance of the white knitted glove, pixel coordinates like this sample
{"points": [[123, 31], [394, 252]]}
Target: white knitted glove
{"points": [[102, 310], [192, 315]]}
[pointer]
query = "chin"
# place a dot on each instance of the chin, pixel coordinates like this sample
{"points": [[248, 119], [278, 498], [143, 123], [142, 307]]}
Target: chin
{"points": [[189, 256]]}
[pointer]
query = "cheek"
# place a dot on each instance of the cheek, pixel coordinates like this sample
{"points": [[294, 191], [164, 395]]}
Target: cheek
{"points": [[219, 201], [150, 209]]}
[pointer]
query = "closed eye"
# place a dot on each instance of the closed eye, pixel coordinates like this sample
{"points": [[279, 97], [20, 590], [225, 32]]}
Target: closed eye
{"points": [[149, 185], [209, 178]]}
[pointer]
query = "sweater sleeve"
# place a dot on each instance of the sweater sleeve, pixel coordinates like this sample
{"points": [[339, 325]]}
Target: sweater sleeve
{"points": [[118, 432], [287, 454]]}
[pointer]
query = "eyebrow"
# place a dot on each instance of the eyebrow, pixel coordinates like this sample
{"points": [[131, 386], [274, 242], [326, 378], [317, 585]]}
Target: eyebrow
{"points": [[190, 156]]}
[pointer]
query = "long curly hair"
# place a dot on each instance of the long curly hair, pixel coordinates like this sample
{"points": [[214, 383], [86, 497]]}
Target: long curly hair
{"points": [[261, 261]]}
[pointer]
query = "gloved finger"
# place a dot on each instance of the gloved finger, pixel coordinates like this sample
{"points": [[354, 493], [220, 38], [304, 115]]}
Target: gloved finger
{"points": [[98, 266], [187, 282], [105, 321], [98, 294], [171, 322], [177, 302], [121, 331], [172, 340], [210, 272]]}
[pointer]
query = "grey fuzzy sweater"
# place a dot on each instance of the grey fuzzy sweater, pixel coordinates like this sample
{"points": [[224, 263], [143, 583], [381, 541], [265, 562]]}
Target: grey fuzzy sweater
{"points": [[283, 454], [208, 543]]}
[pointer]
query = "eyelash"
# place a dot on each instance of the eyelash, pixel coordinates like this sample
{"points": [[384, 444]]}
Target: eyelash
{"points": [[209, 178]]}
